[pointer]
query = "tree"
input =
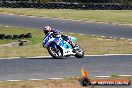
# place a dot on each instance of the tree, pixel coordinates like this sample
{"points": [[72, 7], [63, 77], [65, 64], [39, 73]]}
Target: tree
{"points": [[127, 1], [86, 1]]}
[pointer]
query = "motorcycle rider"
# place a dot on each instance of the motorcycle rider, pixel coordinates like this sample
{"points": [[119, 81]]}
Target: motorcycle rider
{"points": [[56, 33]]}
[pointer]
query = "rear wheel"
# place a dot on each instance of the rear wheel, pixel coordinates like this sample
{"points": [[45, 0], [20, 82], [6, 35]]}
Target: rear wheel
{"points": [[54, 50]]}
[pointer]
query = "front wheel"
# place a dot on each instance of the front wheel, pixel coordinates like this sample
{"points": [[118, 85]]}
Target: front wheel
{"points": [[79, 52], [54, 50]]}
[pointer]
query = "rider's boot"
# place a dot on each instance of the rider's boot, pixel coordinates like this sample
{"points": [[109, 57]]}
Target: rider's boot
{"points": [[74, 46]]}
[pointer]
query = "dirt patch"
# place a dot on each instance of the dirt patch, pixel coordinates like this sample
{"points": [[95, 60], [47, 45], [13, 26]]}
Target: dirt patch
{"points": [[43, 84], [62, 83], [16, 43]]}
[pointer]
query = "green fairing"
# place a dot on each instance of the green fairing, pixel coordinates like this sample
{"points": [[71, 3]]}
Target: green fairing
{"points": [[73, 39]]}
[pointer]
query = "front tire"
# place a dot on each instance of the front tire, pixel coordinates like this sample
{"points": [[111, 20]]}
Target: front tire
{"points": [[54, 50], [79, 52]]}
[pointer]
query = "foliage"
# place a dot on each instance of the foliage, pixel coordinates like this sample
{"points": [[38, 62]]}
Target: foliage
{"points": [[79, 1], [88, 1], [115, 75]]}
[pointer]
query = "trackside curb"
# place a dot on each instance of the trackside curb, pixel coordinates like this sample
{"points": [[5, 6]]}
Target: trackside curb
{"points": [[51, 57]]}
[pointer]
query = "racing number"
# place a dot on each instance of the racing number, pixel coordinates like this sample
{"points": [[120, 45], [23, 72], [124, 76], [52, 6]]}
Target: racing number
{"points": [[62, 42]]}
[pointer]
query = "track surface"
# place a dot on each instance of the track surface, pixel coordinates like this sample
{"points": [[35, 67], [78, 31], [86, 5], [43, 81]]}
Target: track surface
{"points": [[67, 26], [21, 69]]}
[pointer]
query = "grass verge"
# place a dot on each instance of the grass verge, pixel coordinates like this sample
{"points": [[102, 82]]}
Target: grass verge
{"points": [[90, 44], [109, 16], [64, 83]]}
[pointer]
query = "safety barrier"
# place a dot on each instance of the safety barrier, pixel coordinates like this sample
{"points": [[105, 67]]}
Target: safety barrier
{"points": [[66, 6], [20, 36]]}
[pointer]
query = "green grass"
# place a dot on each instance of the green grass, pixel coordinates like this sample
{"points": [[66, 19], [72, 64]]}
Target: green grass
{"points": [[109, 16], [115, 75], [34, 48], [90, 44]]}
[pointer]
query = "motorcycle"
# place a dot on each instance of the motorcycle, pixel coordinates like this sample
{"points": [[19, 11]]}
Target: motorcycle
{"points": [[58, 47]]}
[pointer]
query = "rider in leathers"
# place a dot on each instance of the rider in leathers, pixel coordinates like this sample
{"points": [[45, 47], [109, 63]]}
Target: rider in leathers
{"points": [[56, 33]]}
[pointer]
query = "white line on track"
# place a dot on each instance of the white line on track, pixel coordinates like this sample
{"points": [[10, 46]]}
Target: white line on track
{"points": [[122, 38], [23, 15], [95, 55], [129, 39], [125, 75], [6, 26], [110, 76], [14, 80], [110, 37], [11, 58], [36, 79], [111, 55], [11, 14], [102, 36], [71, 33], [81, 34], [84, 55], [102, 76], [39, 57], [118, 54], [60, 78], [55, 78]]}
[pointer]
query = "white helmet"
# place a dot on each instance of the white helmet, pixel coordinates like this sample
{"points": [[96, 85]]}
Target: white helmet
{"points": [[47, 29]]}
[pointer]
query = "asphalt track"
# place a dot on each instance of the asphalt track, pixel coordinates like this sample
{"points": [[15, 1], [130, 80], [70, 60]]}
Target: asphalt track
{"points": [[91, 28], [43, 68]]}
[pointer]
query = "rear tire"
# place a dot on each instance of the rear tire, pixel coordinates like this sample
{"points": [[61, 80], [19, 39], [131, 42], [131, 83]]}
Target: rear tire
{"points": [[55, 52]]}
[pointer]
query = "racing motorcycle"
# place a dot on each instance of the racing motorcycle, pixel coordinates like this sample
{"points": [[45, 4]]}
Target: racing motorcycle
{"points": [[58, 47]]}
